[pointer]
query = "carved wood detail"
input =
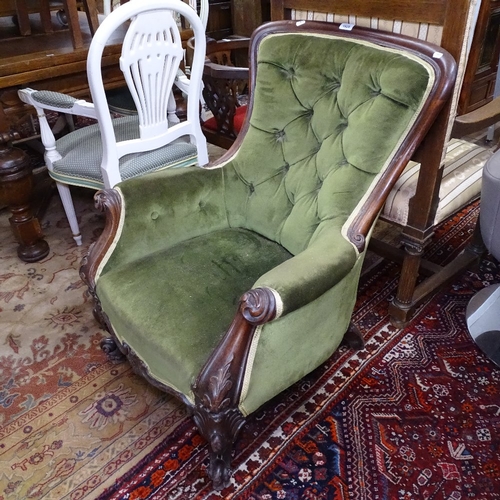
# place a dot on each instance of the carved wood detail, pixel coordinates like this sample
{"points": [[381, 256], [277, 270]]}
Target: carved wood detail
{"points": [[225, 79], [16, 187], [353, 338], [221, 98], [109, 202], [218, 387]]}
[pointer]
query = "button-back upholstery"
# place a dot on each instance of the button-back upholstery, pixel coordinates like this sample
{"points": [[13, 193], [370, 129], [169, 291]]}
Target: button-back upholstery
{"points": [[463, 160], [286, 214], [322, 149], [446, 174]]}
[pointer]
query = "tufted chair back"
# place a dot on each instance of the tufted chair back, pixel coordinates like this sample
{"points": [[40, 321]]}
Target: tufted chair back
{"points": [[322, 135]]}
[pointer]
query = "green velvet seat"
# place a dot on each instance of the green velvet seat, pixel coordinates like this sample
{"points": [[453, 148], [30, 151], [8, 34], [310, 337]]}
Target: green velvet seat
{"points": [[227, 262], [226, 285]]}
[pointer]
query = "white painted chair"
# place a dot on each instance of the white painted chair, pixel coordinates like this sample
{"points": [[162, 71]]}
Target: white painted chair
{"points": [[102, 155]]}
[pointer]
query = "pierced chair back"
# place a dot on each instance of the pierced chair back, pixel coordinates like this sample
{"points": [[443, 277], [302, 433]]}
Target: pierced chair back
{"points": [[151, 55], [119, 99], [225, 90]]}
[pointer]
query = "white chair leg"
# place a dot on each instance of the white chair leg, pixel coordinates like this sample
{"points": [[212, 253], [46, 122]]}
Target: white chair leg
{"points": [[69, 208], [172, 109]]}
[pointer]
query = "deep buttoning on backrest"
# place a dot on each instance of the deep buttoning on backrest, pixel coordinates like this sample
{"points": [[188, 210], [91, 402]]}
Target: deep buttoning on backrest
{"points": [[328, 113]]}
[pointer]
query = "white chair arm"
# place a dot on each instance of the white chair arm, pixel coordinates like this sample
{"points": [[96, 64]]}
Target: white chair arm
{"points": [[56, 101]]}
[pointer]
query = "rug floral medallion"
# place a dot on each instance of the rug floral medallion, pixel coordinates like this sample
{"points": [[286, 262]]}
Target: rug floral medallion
{"points": [[414, 415]]}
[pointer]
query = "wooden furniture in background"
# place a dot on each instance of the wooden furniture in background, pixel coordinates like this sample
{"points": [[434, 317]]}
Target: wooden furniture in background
{"points": [[47, 61], [219, 19], [247, 15], [42, 9], [102, 155], [225, 78], [20, 11], [482, 65]]}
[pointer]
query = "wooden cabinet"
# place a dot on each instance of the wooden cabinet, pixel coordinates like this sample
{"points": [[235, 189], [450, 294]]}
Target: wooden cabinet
{"points": [[219, 19], [249, 14], [482, 66]]}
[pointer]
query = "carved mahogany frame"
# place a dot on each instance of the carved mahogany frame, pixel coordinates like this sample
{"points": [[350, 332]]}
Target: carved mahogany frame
{"points": [[218, 387], [444, 68]]}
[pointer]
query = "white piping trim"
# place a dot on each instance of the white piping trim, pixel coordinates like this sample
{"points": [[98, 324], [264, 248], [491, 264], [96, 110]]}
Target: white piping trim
{"points": [[118, 234], [355, 212], [249, 368], [279, 302], [253, 351], [189, 397]]}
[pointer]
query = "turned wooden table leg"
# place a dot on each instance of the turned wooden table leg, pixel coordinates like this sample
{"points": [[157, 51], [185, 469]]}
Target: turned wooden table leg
{"points": [[403, 306], [16, 186]]}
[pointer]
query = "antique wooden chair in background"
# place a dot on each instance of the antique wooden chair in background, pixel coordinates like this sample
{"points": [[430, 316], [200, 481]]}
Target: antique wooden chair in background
{"points": [[431, 192], [225, 89], [103, 154], [252, 264]]}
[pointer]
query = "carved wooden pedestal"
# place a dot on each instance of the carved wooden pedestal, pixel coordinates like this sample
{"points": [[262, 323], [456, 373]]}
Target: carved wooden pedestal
{"points": [[16, 186]]}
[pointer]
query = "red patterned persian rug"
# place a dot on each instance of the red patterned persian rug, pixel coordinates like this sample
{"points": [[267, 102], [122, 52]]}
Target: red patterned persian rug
{"points": [[415, 415]]}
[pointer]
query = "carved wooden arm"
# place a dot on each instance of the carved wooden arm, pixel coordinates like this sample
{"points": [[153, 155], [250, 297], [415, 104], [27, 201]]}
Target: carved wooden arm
{"points": [[108, 201], [220, 381], [218, 386]]}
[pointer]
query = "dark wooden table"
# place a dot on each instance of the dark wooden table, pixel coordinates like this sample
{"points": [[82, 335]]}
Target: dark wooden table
{"points": [[42, 60]]}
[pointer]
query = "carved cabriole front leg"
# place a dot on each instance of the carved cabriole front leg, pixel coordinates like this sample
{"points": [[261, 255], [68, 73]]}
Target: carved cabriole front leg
{"points": [[218, 387]]}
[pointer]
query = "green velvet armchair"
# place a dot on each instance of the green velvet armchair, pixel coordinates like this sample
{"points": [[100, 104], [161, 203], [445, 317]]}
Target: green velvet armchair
{"points": [[225, 285]]}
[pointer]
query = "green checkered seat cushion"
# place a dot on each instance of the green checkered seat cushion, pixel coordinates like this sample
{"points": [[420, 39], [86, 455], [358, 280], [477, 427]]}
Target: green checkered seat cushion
{"points": [[81, 153]]}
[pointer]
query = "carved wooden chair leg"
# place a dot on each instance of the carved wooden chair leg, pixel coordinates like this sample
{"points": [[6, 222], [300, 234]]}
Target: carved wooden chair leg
{"points": [[220, 429], [353, 338], [112, 351]]}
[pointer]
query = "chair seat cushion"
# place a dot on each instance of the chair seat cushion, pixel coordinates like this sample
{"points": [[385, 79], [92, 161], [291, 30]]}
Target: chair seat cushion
{"points": [[239, 118], [173, 307], [463, 166], [81, 153]]}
